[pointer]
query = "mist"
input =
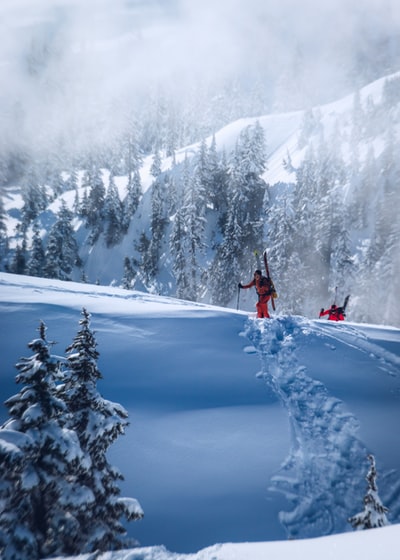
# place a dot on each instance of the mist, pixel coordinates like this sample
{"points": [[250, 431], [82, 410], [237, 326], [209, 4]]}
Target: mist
{"points": [[75, 67]]}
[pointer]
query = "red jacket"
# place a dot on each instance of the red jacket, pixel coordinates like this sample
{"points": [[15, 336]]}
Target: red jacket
{"points": [[335, 313], [263, 288]]}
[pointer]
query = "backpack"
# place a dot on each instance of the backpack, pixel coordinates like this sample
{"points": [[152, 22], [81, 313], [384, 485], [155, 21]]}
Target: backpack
{"points": [[266, 282]]}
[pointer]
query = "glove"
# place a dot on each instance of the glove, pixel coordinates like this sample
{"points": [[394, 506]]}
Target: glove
{"points": [[240, 286]]}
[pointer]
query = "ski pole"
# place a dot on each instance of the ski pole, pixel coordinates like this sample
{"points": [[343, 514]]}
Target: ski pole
{"points": [[238, 296]]}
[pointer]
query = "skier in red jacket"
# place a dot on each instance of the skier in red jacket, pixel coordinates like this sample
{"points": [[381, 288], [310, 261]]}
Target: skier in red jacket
{"points": [[264, 290], [334, 313]]}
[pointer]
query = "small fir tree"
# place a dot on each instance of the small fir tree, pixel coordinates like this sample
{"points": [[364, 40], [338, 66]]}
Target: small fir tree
{"points": [[374, 514], [39, 498], [98, 423]]}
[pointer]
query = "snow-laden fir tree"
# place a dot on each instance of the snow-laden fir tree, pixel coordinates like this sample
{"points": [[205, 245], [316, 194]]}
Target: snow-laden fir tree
{"points": [[98, 423], [247, 165], [177, 241], [62, 249], [129, 274], [228, 257], [158, 222], [155, 168], [96, 202], [17, 264], [134, 192], [144, 275], [40, 495], [36, 262], [374, 513], [34, 196], [193, 226], [132, 158], [113, 214]]}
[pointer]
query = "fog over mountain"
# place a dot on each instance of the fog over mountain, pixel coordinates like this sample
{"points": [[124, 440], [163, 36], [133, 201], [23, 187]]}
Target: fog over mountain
{"points": [[183, 135], [64, 64]]}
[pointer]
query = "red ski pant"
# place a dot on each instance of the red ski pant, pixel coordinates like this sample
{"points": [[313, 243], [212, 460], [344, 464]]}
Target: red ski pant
{"points": [[262, 309]]}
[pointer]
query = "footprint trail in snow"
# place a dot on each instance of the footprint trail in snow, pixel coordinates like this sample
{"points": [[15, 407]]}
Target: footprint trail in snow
{"points": [[323, 477]]}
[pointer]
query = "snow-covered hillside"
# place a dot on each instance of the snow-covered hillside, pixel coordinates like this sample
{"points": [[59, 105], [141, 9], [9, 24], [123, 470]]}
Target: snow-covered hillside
{"points": [[328, 216], [241, 430]]}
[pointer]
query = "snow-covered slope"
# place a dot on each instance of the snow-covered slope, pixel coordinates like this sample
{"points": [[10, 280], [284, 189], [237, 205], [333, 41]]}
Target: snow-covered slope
{"points": [[368, 545], [241, 430]]}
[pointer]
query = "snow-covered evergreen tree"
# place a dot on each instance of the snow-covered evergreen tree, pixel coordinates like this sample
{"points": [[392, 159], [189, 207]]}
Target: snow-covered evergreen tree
{"points": [[131, 150], [39, 499], [34, 196], [217, 196], [55, 181], [158, 222], [177, 248], [71, 183], [229, 257], [62, 249], [37, 259], [19, 259], [134, 192], [374, 514], [95, 202], [113, 214], [129, 274], [193, 241], [155, 168], [97, 423], [145, 265], [248, 163]]}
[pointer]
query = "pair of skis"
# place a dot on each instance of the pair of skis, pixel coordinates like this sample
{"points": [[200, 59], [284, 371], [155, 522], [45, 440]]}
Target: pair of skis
{"points": [[265, 259]]}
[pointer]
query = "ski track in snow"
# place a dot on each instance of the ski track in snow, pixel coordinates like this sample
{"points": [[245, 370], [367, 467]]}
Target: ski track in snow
{"points": [[324, 474], [344, 333]]}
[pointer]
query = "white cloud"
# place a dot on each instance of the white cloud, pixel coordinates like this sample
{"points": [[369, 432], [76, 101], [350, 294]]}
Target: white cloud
{"points": [[58, 56]]}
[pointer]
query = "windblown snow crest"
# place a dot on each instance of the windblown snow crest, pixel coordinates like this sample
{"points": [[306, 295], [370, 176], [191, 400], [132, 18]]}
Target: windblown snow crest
{"points": [[324, 474]]}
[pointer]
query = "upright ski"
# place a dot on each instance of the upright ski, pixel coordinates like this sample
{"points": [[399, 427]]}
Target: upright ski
{"points": [[346, 301], [258, 261], [274, 295]]}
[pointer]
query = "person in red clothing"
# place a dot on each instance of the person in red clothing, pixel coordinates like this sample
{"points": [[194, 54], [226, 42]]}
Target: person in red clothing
{"points": [[334, 313], [264, 290]]}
